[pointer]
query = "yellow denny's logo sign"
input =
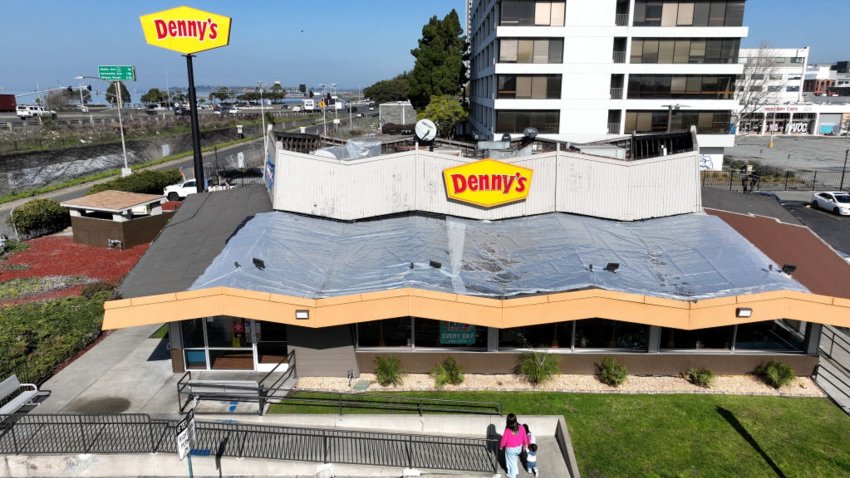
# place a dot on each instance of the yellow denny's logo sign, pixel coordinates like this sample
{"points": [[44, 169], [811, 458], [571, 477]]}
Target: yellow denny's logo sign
{"points": [[487, 183], [186, 30]]}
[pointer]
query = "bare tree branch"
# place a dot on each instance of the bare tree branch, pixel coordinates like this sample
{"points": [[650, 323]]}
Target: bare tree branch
{"points": [[753, 87]]}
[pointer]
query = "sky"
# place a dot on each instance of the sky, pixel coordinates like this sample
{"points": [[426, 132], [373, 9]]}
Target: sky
{"points": [[352, 43]]}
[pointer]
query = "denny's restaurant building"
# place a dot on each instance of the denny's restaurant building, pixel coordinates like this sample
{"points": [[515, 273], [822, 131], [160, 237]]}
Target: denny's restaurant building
{"points": [[422, 255]]}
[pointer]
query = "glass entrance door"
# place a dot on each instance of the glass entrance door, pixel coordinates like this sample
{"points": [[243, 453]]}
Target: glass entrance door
{"points": [[270, 344]]}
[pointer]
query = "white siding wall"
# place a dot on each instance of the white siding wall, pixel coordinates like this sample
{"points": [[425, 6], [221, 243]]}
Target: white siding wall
{"points": [[413, 181]]}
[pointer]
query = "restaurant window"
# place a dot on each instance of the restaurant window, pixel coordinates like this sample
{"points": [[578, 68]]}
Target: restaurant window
{"points": [[715, 338], [529, 86], [531, 50], [532, 13], [546, 336], [772, 335], [441, 334], [193, 333], [509, 121], [385, 333], [611, 334]]}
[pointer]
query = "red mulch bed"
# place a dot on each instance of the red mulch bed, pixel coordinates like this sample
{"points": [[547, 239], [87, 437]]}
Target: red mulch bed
{"points": [[61, 256], [171, 205]]}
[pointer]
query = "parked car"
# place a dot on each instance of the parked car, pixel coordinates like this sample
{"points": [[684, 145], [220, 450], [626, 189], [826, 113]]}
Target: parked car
{"points": [[180, 191], [233, 110], [836, 201], [32, 111]]}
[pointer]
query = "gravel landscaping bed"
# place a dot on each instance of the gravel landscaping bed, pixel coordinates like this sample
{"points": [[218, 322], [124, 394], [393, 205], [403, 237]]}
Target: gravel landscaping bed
{"points": [[730, 384]]}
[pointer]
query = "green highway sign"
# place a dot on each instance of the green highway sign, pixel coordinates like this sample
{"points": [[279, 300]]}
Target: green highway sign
{"points": [[116, 72]]}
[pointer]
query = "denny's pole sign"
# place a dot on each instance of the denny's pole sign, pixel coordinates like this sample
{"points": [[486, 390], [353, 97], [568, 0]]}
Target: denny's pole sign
{"points": [[188, 31], [487, 183]]}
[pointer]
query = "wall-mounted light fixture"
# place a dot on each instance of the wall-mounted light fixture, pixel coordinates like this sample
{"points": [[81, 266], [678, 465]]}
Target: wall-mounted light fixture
{"points": [[302, 314], [743, 312]]}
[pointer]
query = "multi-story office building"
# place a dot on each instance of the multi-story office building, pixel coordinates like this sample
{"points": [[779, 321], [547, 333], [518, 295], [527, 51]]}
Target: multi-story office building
{"points": [[582, 70], [779, 72], [819, 79]]}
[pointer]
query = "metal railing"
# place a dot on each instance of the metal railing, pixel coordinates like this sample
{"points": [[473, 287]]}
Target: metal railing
{"points": [[616, 93], [377, 401], [619, 57], [613, 128], [787, 181], [139, 433], [621, 19]]}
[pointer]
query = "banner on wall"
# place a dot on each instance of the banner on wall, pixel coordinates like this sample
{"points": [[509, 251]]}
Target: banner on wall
{"points": [[454, 333]]}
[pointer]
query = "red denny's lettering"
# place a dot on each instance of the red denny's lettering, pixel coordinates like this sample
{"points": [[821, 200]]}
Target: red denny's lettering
{"points": [[489, 182], [186, 29]]}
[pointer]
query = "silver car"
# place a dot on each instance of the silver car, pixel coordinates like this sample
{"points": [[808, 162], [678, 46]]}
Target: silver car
{"points": [[836, 201]]}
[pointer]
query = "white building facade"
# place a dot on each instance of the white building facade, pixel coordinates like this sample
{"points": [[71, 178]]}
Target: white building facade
{"points": [[585, 70], [784, 81]]}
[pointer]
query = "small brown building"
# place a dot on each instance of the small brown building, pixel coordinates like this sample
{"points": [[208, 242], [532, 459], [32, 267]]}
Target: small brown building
{"points": [[116, 218]]}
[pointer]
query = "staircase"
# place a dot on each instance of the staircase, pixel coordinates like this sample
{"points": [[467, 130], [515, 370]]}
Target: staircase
{"points": [[833, 372]]}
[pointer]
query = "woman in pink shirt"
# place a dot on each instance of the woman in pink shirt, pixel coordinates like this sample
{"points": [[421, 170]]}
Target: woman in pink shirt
{"points": [[514, 439]]}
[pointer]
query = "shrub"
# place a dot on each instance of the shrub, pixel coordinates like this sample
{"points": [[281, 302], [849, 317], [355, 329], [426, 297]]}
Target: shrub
{"points": [[91, 290], [448, 371], [776, 374], [700, 376], [612, 373], [39, 217], [537, 367], [388, 371], [145, 182]]}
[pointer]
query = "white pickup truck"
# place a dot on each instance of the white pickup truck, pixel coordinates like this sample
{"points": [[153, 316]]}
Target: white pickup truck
{"points": [[179, 191], [33, 111]]}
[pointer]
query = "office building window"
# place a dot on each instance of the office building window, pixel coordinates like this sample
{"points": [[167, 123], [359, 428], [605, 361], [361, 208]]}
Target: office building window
{"points": [[774, 89], [776, 76], [707, 122], [532, 13], [508, 121], [685, 50], [793, 89], [674, 13], [539, 87], [681, 87], [531, 50]]}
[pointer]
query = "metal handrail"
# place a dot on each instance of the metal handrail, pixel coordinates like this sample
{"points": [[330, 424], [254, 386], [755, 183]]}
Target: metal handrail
{"points": [[392, 402], [290, 358], [139, 433]]}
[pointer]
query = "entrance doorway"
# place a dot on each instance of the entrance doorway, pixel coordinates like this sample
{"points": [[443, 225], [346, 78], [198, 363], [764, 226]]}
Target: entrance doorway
{"points": [[233, 343]]}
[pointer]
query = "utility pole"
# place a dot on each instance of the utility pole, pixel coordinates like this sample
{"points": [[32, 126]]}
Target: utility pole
{"points": [[843, 170]]}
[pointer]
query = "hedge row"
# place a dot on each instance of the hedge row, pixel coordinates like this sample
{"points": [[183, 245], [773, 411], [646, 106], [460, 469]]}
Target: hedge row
{"points": [[145, 182]]}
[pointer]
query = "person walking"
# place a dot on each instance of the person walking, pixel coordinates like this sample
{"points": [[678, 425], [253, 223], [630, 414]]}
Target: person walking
{"points": [[514, 439]]}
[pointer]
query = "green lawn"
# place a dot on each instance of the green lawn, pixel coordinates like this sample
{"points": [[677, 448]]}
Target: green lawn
{"points": [[683, 435]]}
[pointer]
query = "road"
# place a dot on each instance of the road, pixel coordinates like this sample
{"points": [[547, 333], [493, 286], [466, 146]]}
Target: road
{"points": [[186, 163], [832, 228], [795, 153]]}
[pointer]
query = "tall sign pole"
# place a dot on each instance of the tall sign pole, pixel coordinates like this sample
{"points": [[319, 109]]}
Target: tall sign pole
{"points": [[196, 134], [188, 31]]}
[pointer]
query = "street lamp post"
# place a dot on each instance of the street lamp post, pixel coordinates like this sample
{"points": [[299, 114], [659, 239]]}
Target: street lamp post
{"points": [[843, 170], [125, 171], [670, 109], [263, 116]]}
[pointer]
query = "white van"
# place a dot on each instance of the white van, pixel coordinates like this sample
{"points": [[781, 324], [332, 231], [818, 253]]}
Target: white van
{"points": [[32, 111]]}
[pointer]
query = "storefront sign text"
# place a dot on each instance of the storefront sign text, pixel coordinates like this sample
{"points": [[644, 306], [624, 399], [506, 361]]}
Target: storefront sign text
{"points": [[454, 333], [487, 183], [186, 30]]}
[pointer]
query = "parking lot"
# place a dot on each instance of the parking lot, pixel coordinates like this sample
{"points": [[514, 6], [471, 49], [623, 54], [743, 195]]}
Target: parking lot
{"points": [[797, 153]]}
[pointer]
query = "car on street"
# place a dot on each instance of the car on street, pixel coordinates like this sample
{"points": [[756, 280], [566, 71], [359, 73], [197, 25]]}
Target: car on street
{"points": [[838, 202], [179, 191], [33, 111], [233, 110]]}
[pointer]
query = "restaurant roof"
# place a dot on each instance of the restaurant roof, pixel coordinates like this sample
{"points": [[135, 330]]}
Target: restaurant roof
{"points": [[688, 257]]}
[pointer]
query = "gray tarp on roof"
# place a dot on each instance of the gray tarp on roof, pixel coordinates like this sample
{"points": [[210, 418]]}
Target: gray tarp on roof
{"points": [[683, 257]]}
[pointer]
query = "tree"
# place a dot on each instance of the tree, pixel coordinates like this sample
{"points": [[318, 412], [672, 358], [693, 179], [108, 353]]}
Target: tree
{"points": [[446, 112], [112, 93], [753, 90], [221, 94], [59, 100], [154, 96], [439, 68], [276, 93], [395, 89]]}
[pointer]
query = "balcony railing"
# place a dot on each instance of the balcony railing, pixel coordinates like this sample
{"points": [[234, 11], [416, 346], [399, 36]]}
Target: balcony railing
{"points": [[622, 19], [613, 128], [619, 57], [616, 93]]}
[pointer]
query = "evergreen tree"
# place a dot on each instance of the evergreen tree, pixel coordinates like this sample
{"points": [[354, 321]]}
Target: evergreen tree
{"points": [[112, 93], [439, 68]]}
